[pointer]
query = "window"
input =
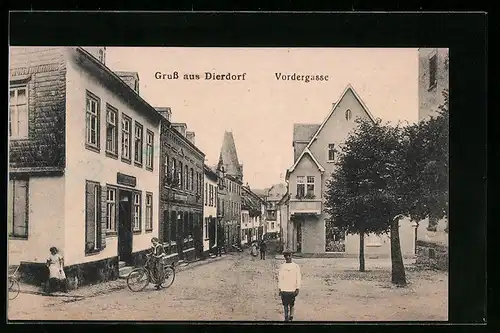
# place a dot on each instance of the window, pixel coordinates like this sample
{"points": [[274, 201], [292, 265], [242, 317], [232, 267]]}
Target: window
{"points": [[137, 212], [205, 228], [191, 179], [348, 114], [111, 130], [18, 208], [173, 226], [186, 178], [92, 121], [331, 152], [310, 186], [179, 175], [126, 137], [272, 225], [92, 217], [111, 210], [206, 194], [18, 113], [149, 150], [174, 171], [138, 143], [432, 71], [101, 55], [212, 196], [149, 212], [301, 186]]}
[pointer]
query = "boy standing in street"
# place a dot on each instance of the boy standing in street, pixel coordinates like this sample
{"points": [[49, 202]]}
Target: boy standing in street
{"points": [[263, 248], [289, 280]]}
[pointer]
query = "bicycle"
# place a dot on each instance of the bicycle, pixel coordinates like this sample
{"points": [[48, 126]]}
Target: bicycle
{"points": [[14, 287], [140, 278]]}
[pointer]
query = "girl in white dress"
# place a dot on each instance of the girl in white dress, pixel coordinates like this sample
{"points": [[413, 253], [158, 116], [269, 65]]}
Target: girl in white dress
{"points": [[57, 277]]}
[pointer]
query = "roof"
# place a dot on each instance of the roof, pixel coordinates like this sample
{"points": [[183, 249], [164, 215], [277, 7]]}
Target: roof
{"points": [[315, 135], [261, 192], [251, 201], [135, 75], [335, 106], [210, 173], [104, 73], [306, 151], [229, 157], [304, 132]]}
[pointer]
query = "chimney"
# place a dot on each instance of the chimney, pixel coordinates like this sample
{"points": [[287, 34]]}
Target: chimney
{"points": [[131, 79], [180, 127], [165, 111], [190, 136]]}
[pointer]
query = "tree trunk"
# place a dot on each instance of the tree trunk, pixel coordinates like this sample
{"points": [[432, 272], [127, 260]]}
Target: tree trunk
{"points": [[361, 251], [398, 268]]}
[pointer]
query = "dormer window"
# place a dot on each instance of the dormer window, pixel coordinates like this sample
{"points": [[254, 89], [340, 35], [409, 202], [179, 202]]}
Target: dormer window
{"points": [[101, 56]]}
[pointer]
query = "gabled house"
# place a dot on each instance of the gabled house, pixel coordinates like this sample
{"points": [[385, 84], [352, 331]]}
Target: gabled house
{"points": [[83, 164], [315, 148]]}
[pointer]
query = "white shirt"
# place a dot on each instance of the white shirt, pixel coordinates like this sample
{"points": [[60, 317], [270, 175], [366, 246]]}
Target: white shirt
{"points": [[289, 277]]}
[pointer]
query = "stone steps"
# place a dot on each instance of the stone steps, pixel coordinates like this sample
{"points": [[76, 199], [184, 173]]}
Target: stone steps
{"points": [[124, 271]]}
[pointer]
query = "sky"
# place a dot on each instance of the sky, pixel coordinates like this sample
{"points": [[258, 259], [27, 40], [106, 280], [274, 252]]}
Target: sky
{"points": [[261, 110]]}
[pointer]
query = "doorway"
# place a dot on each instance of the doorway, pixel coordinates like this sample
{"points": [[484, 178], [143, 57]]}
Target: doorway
{"points": [[299, 235], [125, 235]]}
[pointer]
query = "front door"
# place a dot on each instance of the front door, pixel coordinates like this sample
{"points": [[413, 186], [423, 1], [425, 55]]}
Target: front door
{"points": [[211, 232], [299, 235], [125, 226]]}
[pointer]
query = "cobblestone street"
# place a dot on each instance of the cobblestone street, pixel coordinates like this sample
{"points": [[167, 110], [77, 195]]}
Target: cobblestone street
{"points": [[241, 289]]}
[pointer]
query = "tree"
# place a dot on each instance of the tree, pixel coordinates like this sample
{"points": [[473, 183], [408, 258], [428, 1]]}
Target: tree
{"points": [[364, 192], [426, 166]]}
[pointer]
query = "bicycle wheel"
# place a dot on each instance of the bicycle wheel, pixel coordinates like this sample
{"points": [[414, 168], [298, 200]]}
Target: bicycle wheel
{"points": [[138, 279], [14, 288], [169, 276]]}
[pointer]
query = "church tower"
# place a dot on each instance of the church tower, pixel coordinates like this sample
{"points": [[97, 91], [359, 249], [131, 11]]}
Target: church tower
{"points": [[228, 157]]}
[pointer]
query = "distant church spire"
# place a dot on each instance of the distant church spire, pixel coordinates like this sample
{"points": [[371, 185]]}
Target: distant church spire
{"points": [[229, 157]]}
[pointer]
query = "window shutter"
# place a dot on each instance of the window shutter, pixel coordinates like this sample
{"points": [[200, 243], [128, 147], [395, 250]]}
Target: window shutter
{"points": [[20, 207], [10, 207], [89, 217], [104, 217]]}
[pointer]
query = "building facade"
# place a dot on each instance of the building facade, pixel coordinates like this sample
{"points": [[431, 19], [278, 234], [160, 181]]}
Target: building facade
{"points": [[230, 192], [315, 148], [181, 183], [273, 218], [433, 78], [83, 163], [211, 190], [252, 211]]}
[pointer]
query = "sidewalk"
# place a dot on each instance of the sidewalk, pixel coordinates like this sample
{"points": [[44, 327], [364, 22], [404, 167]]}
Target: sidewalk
{"points": [[102, 288]]}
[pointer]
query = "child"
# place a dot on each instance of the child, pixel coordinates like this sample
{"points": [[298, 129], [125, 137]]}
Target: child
{"points": [[57, 277]]}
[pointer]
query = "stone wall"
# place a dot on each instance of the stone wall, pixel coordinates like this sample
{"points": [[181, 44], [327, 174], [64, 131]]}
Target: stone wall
{"points": [[432, 255]]}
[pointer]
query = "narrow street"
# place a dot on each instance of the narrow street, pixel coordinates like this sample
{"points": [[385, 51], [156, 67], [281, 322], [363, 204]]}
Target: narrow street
{"points": [[237, 288]]}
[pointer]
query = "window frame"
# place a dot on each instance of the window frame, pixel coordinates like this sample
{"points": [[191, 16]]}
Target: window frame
{"points": [[309, 183], [330, 151], [433, 64], [109, 231], [112, 110], [135, 229], [16, 88], [150, 150], [138, 156], [348, 114], [128, 136], [148, 226], [303, 184], [97, 146], [12, 234]]}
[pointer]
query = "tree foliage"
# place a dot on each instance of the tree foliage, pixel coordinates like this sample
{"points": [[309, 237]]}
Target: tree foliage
{"points": [[364, 193], [426, 167]]}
